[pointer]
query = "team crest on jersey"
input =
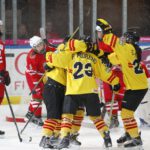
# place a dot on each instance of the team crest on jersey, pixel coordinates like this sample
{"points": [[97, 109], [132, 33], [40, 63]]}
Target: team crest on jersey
{"points": [[1, 47]]}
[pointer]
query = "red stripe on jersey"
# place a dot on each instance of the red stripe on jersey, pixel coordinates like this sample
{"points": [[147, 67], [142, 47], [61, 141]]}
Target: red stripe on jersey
{"points": [[50, 58], [115, 41], [111, 78], [71, 45], [130, 65], [70, 70], [112, 39], [73, 48]]}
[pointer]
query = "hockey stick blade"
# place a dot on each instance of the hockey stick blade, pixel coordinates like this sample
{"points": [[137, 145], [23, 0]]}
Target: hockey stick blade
{"points": [[42, 33], [43, 36]]}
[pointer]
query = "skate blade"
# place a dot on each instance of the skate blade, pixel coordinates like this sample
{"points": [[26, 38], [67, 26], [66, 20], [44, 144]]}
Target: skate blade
{"points": [[134, 148], [74, 147], [42, 148], [114, 148]]}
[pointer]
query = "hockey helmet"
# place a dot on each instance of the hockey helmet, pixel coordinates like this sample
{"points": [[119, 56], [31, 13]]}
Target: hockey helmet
{"points": [[131, 37], [103, 25], [35, 41]]}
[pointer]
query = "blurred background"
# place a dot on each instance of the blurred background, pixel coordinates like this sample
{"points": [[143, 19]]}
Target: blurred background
{"points": [[23, 18]]}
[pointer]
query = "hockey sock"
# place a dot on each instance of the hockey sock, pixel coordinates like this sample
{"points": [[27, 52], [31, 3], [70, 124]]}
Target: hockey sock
{"points": [[49, 127], [57, 129], [99, 124], [115, 107], [1, 99], [66, 124], [77, 120], [33, 105], [129, 122]]}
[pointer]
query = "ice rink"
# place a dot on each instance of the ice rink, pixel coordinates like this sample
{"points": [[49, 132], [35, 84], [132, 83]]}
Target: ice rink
{"points": [[90, 138]]}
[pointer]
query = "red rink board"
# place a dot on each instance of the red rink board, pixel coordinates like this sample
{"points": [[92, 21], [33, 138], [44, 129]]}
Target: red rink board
{"points": [[18, 119]]}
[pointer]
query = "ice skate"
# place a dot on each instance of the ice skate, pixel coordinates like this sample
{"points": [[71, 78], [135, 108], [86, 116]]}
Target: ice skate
{"points": [[45, 143], [37, 120], [64, 143], [134, 143], [123, 139], [2, 133], [74, 139], [107, 140], [54, 140]]}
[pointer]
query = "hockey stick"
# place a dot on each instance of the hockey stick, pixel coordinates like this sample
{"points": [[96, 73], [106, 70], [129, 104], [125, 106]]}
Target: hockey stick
{"points": [[43, 36], [30, 119], [13, 115], [111, 108], [40, 80]]}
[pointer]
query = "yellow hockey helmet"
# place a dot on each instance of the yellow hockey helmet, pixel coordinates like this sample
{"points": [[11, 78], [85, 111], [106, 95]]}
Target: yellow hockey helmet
{"points": [[103, 25]]}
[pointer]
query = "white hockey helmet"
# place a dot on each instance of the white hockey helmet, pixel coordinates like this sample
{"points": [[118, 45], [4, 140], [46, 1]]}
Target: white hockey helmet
{"points": [[35, 41]]}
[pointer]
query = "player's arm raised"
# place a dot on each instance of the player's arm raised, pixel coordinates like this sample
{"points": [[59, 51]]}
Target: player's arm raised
{"points": [[60, 59]]}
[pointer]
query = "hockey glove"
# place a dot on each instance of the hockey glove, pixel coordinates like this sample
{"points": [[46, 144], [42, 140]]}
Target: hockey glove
{"points": [[67, 37], [47, 68], [7, 78], [37, 93], [116, 87], [2, 81], [101, 104], [106, 61]]}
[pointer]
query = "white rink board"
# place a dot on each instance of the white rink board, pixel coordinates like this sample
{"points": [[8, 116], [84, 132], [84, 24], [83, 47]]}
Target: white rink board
{"points": [[16, 66]]}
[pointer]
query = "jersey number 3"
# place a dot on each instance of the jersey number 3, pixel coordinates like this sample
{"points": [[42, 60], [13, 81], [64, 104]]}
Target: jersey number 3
{"points": [[82, 70]]}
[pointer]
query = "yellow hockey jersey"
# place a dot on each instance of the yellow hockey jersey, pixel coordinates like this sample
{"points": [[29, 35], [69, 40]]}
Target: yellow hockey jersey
{"points": [[57, 74], [111, 40], [133, 75], [73, 46], [82, 68]]}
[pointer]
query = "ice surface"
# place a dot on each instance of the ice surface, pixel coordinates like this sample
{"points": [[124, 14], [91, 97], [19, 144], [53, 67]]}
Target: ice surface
{"points": [[90, 138]]}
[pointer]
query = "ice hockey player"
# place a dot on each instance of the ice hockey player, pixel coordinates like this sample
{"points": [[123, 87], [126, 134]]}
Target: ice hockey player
{"points": [[53, 95], [4, 75], [54, 91], [133, 38], [136, 84], [81, 68], [106, 41], [143, 112], [34, 71]]}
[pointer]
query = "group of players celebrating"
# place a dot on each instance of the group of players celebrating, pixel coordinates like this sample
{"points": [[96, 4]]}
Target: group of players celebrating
{"points": [[69, 88]]}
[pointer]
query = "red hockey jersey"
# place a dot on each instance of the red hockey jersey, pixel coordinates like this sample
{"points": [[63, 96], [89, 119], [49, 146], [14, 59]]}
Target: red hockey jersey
{"points": [[35, 69], [2, 56]]}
